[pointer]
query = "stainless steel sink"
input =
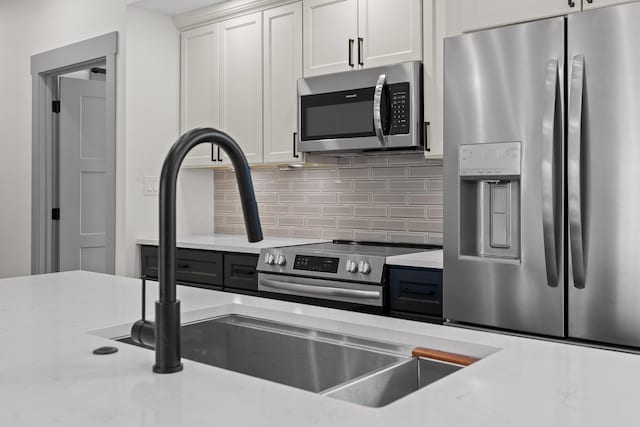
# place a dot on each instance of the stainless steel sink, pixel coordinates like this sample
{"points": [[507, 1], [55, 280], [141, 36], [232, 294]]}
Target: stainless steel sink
{"points": [[308, 359], [392, 383], [359, 370]]}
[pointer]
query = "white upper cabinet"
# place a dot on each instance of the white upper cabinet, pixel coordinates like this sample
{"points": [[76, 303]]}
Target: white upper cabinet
{"points": [[282, 68], [594, 4], [241, 83], [342, 35], [478, 14], [389, 32], [199, 86], [330, 33]]}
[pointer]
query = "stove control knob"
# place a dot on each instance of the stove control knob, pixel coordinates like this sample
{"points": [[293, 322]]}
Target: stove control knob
{"points": [[364, 267], [281, 260], [352, 266], [269, 259]]}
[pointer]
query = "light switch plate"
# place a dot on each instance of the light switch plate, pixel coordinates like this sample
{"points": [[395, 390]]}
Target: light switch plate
{"points": [[151, 186]]}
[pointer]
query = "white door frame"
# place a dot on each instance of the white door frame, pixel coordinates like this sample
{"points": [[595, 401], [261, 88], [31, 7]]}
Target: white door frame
{"points": [[45, 68]]}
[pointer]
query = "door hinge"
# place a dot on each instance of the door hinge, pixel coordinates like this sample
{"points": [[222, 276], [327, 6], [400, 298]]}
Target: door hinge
{"points": [[55, 106], [55, 214]]}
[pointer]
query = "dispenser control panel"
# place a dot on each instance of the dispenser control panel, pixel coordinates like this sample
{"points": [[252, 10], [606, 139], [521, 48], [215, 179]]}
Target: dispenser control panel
{"points": [[490, 159]]}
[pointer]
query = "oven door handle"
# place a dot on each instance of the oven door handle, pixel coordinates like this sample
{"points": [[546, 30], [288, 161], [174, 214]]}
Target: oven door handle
{"points": [[377, 112], [319, 291]]}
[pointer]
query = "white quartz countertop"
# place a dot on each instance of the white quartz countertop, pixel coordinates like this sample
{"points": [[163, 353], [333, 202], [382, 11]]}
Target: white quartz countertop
{"points": [[50, 324], [428, 259], [229, 242]]}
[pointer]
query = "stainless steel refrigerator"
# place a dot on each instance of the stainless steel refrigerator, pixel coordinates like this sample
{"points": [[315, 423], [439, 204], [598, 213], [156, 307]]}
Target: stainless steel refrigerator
{"points": [[542, 177]]}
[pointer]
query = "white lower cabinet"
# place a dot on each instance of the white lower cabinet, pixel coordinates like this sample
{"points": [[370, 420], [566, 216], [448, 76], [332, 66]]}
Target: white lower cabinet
{"points": [[241, 83], [282, 27], [199, 89]]}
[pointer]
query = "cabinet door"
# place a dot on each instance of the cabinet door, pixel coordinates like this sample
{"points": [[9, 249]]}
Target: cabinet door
{"points": [[441, 19], [240, 272], [330, 33], [199, 88], [389, 32], [241, 84], [282, 69], [478, 14], [594, 4]]}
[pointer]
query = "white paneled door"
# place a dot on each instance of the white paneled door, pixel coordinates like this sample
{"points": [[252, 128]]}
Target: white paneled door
{"points": [[330, 36], [87, 180], [389, 32], [241, 83], [199, 86], [282, 68]]}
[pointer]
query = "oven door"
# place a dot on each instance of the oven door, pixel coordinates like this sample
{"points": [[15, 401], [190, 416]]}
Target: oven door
{"points": [[326, 293]]}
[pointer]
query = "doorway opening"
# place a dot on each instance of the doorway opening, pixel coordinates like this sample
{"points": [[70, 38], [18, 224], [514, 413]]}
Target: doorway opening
{"points": [[73, 169]]}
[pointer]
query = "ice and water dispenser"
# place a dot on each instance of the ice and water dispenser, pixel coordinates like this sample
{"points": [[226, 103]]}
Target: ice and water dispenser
{"points": [[489, 177]]}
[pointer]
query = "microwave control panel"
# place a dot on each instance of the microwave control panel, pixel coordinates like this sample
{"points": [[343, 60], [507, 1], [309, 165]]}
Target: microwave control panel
{"points": [[400, 108]]}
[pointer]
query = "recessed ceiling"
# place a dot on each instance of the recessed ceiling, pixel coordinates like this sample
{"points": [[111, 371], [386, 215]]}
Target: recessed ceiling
{"points": [[173, 7]]}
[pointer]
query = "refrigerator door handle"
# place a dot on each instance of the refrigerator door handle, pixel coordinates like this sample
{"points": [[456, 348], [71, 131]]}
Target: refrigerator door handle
{"points": [[550, 122], [574, 174]]}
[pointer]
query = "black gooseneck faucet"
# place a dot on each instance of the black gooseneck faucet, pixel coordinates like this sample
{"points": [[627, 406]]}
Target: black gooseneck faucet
{"points": [[164, 333]]}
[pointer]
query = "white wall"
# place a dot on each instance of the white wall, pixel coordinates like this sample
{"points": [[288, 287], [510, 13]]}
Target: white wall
{"points": [[28, 27], [153, 69]]}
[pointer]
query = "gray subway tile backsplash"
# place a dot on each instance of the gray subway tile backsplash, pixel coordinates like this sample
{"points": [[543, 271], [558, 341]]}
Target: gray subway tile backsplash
{"points": [[395, 197], [354, 172], [337, 210], [305, 210], [370, 211], [407, 212], [320, 198]]}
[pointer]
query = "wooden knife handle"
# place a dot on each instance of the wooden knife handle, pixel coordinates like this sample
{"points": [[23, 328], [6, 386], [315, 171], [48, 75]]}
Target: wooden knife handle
{"points": [[444, 356]]}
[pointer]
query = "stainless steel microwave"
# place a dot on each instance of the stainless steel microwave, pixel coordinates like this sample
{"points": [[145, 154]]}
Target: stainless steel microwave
{"points": [[365, 110]]}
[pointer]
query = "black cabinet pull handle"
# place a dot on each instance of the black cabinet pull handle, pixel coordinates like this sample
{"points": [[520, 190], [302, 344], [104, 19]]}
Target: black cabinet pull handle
{"points": [[589, 1], [183, 266], [572, 4], [213, 153], [351, 64], [295, 153], [219, 157], [360, 49], [427, 144], [243, 271]]}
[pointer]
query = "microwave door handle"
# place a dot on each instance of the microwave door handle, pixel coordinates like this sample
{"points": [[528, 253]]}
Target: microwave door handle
{"points": [[550, 123], [574, 173], [377, 113]]}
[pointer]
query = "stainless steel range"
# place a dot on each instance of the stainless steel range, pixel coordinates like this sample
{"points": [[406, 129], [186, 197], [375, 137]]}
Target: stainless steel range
{"points": [[339, 274]]}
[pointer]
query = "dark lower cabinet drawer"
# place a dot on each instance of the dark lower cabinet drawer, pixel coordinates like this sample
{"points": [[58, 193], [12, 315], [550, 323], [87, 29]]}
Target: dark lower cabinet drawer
{"points": [[240, 272], [193, 266], [417, 291]]}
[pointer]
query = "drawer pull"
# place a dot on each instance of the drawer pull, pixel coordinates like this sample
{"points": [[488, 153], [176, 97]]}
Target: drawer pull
{"points": [[429, 353], [183, 266], [243, 271]]}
